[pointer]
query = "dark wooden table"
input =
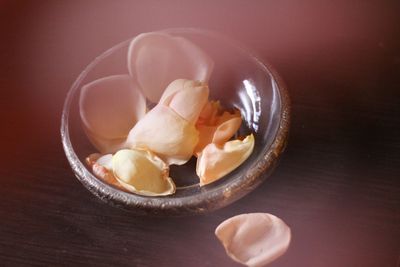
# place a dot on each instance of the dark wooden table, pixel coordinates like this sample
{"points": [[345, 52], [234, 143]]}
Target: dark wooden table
{"points": [[337, 185]]}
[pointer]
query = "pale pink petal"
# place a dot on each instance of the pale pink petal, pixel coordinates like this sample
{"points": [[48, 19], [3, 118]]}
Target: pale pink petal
{"points": [[156, 59], [110, 107], [165, 133], [215, 162], [186, 97], [254, 239], [105, 145]]}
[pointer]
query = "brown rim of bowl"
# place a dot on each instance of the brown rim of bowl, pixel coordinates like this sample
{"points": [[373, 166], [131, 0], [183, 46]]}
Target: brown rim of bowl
{"points": [[214, 198]]}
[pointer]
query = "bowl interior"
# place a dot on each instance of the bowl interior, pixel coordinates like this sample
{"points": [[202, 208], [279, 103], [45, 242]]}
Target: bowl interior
{"points": [[238, 80]]}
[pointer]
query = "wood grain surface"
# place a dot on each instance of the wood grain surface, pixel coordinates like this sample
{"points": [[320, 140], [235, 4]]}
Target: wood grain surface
{"points": [[337, 185]]}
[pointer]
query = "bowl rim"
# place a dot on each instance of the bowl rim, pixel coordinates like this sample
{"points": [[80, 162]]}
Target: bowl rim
{"points": [[200, 203]]}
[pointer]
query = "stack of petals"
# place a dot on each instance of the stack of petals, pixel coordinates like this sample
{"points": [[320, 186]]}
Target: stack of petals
{"points": [[137, 145]]}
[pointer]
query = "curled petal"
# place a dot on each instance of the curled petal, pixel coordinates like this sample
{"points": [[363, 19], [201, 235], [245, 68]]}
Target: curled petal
{"points": [[215, 162], [92, 158], [254, 239], [208, 116], [225, 127], [186, 97], [227, 116], [165, 133], [226, 130], [142, 172], [102, 168], [109, 108], [105, 161], [157, 59]]}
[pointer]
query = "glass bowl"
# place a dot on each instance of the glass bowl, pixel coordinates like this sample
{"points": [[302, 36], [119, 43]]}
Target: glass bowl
{"points": [[240, 80]]}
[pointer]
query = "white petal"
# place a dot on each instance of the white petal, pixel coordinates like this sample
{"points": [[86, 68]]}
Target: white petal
{"points": [[186, 97], [109, 108], [105, 161], [165, 133], [156, 59], [254, 239], [215, 162], [142, 172]]}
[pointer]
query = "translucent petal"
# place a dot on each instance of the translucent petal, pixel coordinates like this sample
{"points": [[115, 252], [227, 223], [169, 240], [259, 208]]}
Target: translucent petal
{"points": [[208, 115], [141, 172], [105, 145], [109, 108], [102, 168], [254, 239], [105, 161], [225, 127], [186, 97], [156, 59], [165, 133], [215, 162], [92, 158]]}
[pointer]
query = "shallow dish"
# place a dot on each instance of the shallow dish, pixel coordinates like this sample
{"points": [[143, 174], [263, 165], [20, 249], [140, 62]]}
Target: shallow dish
{"points": [[239, 80]]}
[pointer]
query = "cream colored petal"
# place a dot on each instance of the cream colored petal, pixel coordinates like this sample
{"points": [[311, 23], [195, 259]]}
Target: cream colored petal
{"points": [[186, 97], [170, 189], [172, 88], [157, 59], [215, 162], [254, 239], [141, 172], [165, 133], [110, 107]]}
